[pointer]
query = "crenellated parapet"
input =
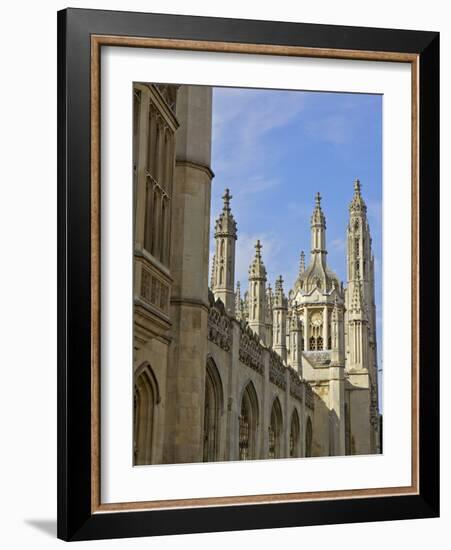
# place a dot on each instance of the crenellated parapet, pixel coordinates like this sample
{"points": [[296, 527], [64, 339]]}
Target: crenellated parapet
{"points": [[219, 324], [309, 396], [277, 370], [296, 384], [251, 350]]}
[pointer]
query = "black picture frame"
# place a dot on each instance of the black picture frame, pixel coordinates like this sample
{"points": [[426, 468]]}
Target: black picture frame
{"points": [[76, 521]]}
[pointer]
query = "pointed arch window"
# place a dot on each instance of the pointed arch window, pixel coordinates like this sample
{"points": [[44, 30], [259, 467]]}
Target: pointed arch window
{"points": [[145, 399], [248, 424], [212, 412], [294, 434], [275, 430]]}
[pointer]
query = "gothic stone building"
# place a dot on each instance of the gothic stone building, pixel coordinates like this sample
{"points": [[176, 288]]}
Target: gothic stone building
{"points": [[219, 376]]}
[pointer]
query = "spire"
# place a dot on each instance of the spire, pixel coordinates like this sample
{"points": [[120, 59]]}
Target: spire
{"points": [[280, 307], [226, 198], [225, 224], [318, 217], [318, 229], [269, 320], [257, 268], [279, 297], [223, 276], [238, 303], [302, 262], [257, 294], [357, 205]]}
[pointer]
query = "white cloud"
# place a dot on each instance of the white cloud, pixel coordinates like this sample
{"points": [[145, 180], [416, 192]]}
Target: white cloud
{"points": [[257, 184], [242, 118]]}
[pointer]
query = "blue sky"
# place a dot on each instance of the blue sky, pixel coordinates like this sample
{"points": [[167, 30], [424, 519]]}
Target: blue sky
{"points": [[274, 150]]}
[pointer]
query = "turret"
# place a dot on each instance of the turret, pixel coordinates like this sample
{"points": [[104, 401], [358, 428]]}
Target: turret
{"points": [[318, 229], [280, 308], [296, 342], [257, 295], [269, 319], [239, 304], [223, 279]]}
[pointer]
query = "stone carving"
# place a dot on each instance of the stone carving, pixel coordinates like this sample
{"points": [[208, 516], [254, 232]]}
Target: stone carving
{"points": [[219, 325], [295, 384], [154, 291], [318, 357], [309, 397], [277, 370], [251, 351]]}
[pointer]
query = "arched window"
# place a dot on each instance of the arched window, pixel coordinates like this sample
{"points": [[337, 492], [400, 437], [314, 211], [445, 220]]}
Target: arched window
{"points": [[248, 424], [275, 430], [319, 343], [212, 412], [294, 434], [308, 438], [145, 398], [312, 343]]}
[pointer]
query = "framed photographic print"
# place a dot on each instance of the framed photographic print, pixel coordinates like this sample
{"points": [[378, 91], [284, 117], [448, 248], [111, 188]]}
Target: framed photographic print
{"points": [[248, 274]]}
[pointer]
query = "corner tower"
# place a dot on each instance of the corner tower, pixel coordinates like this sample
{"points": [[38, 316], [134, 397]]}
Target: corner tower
{"points": [[360, 334]]}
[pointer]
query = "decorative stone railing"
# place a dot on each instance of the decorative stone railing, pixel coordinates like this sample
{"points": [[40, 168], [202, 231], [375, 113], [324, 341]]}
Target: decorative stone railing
{"points": [[154, 291], [219, 326], [296, 389], [277, 370], [251, 351]]}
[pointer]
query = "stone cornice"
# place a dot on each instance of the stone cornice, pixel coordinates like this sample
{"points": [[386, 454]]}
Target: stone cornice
{"points": [[196, 165]]}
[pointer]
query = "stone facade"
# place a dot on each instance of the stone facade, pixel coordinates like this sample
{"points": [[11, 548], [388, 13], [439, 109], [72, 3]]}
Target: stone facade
{"points": [[217, 375]]}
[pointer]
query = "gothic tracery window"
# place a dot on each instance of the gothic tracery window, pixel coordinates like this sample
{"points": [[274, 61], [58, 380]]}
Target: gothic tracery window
{"points": [[275, 430], [212, 413], [294, 434], [248, 423], [159, 169], [145, 399]]}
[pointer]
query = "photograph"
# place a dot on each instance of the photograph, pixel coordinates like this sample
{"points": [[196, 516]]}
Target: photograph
{"points": [[257, 274]]}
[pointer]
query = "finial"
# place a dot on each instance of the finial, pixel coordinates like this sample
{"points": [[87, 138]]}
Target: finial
{"points": [[258, 247], [226, 198], [279, 284], [357, 186], [318, 199], [302, 264]]}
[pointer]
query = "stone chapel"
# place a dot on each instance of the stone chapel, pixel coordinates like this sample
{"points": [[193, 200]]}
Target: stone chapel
{"points": [[228, 373]]}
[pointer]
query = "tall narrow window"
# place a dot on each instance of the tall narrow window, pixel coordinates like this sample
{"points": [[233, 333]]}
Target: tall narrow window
{"points": [[312, 343], [145, 399], [275, 430], [212, 413], [159, 175], [294, 434], [248, 424]]}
